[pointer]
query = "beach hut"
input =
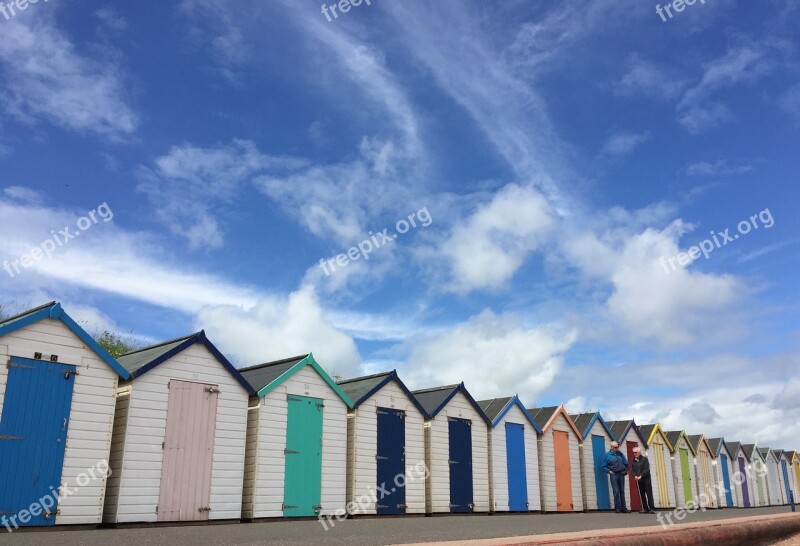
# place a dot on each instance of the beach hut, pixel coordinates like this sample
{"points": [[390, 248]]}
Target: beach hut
{"points": [[793, 473], [628, 435], [385, 446], [742, 475], [783, 473], [456, 450], [596, 438], [179, 435], [513, 456], [758, 470], [296, 453], [57, 390], [683, 461], [728, 497], [776, 492], [659, 450], [559, 460], [705, 477]]}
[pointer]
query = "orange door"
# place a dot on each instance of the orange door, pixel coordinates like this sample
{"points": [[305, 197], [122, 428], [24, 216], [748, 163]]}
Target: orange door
{"points": [[563, 471]]}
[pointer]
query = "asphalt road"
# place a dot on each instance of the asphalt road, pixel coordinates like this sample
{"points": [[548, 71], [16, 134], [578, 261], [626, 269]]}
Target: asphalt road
{"points": [[356, 532]]}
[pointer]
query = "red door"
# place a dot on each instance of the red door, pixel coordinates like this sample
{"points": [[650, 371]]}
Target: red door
{"points": [[188, 452], [636, 501]]}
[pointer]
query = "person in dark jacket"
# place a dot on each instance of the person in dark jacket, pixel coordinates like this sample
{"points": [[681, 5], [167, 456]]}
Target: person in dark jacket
{"points": [[641, 471], [617, 466]]}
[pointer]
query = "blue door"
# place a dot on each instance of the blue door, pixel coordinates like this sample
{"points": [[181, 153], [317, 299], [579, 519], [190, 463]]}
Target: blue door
{"points": [[515, 464], [785, 479], [600, 477], [391, 462], [33, 434], [726, 480], [460, 465]]}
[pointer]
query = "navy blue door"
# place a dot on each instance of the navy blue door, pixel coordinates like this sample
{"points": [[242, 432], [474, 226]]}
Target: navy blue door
{"points": [[33, 434], [391, 462], [726, 480], [515, 464], [600, 477], [460, 465], [785, 479]]}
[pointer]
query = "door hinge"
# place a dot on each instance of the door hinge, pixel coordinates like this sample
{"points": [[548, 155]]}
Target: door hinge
{"points": [[320, 405], [69, 373], [290, 452], [381, 458], [212, 389], [10, 437], [381, 506], [204, 509], [10, 365], [402, 506], [453, 462], [163, 445], [286, 506], [317, 508]]}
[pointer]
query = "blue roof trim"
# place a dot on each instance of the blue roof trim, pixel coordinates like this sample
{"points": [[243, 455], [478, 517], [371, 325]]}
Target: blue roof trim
{"points": [[392, 377], [462, 389], [56, 312], [597, 417], [200, 337], [511, 403]]}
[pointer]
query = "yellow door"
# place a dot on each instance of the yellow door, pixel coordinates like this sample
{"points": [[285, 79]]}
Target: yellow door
{"points": [[661, 472]]}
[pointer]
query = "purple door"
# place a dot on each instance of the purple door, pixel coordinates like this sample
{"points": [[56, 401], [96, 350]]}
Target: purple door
{"points": [[743, 479], [188, 451]]}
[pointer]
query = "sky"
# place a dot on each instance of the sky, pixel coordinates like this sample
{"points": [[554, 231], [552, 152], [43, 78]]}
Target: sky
{"points": [[584, 203]]}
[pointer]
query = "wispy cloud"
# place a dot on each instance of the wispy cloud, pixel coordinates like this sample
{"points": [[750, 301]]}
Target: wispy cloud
{"points": [[623, 143], [720, 167], [649, 79]]}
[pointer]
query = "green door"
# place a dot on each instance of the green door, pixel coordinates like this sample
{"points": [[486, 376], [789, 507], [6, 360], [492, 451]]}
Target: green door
{"points": [[687, 480], [303, 454], [762, 495]]}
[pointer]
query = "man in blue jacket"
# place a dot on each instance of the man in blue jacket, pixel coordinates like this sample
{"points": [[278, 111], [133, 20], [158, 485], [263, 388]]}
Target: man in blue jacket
{"points": [[617, 466]]}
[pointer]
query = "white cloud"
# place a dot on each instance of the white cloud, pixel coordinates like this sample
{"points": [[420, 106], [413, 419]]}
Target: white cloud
{"points": [[495, 355], [24, 194], [649, 79], [111, 19], [789, 101], [47, 78], [277, 328], [623, 143], [720, 167]]}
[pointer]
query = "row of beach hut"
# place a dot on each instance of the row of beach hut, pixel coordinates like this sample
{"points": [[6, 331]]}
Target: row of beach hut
{"points": [[185, 436]]}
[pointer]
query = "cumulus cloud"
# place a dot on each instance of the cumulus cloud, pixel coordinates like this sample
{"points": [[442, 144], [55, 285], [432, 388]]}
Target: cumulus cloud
{"points": [[496, 355], [277, 328]]}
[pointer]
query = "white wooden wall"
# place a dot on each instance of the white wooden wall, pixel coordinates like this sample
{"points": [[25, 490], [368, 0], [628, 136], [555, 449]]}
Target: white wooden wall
{"points": [[706, 493], [548, 469], [363, 445], [250, 457], [588, 469], [140, 479], [499, 470], [270, 466], [623, 446], [91, 418], [439, 447], [117, 452]]}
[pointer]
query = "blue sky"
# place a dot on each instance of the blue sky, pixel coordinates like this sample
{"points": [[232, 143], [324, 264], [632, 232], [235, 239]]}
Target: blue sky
{"points": [[558, 151]]}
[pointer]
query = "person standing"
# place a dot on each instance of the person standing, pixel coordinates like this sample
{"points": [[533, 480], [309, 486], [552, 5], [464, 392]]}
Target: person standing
{"points": [[617, 467], [641, 472]]}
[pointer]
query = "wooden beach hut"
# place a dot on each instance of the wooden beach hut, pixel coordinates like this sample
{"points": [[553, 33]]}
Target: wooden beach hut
{"points": [[758, 472], [596, 438], [705, 477], [179, 435], [785, 473], [559, 460], [659, 450], [742, 475], [57, 390], [513, 456], [793, 473], [385, 446], [725, 473], [296, 456], [683, 460], [775, 491], [456, 450]]}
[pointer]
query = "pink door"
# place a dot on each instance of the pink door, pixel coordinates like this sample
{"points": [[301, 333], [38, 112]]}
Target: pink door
{"points": [[188, 451]]}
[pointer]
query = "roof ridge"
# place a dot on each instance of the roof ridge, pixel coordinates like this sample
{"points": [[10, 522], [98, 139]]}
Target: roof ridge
{"points": [[433, 389], [28, 312], [364, 377], [182, 338]]}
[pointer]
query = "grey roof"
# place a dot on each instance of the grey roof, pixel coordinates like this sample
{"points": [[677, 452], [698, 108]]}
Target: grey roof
{"points": [[646, 431], [582, 420], [134, 360], [694, 440], [763, 451], [431, 399], [542, 415], [715, 444], [493, 407], [778, 453], [263, 374], [789, 454], [24, 314], [618, 427], [673, 436], [748, 450], [733, 447], [357, 387]]}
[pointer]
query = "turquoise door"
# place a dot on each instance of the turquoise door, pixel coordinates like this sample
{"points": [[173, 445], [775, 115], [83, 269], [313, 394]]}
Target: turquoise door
{"points": [[302, 486], [33, 435], [600, 477], [726, 480]]}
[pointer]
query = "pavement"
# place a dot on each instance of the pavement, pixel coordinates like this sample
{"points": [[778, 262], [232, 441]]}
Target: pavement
{"points": [[509, 528]]}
